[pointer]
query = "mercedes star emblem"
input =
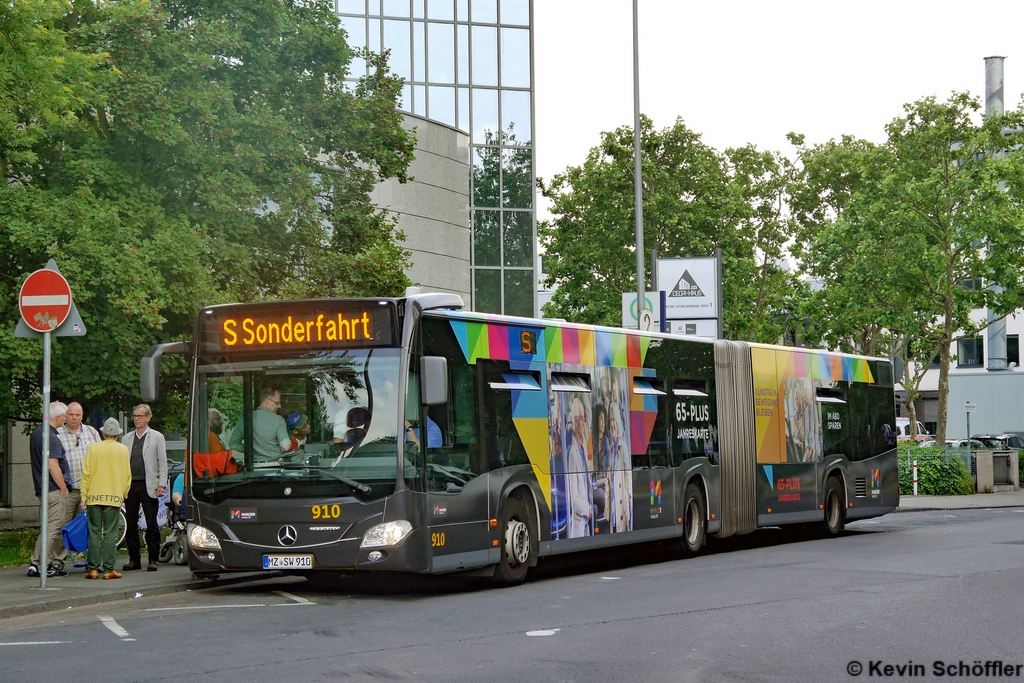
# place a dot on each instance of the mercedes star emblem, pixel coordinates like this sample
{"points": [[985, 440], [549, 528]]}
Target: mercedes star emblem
{"points": [[286, 535]]}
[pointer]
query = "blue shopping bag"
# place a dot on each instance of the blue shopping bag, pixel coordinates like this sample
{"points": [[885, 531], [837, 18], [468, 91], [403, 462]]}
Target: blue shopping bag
{"points": [[76, 538]]}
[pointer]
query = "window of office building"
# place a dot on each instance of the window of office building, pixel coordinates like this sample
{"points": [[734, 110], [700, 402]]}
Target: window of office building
{"points": [[1013, 349], [469, 64], [970, 352]]}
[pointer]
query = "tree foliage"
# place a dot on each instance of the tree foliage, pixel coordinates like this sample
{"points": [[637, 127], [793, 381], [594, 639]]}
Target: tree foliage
{"points": [[182, 154], [694, 200], [896, 231]]}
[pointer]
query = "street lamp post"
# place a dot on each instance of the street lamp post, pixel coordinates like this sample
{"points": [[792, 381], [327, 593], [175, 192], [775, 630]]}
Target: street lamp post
{"points": [[637, 177]]}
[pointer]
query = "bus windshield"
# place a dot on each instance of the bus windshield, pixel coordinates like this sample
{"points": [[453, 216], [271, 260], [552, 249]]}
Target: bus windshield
{"points": [[322, 424]]}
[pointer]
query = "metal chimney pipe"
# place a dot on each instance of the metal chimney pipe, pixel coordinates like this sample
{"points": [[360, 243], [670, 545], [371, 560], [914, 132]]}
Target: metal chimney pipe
{"points": [[996, 351], [994, 85]]}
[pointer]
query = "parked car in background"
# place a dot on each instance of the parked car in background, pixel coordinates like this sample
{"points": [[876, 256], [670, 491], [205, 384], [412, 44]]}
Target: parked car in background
{"points": [[976, 444], [1002, 442], [903, 430]]}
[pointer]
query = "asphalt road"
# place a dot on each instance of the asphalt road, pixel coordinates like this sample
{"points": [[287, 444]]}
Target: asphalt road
{"points": [[912, 587]]}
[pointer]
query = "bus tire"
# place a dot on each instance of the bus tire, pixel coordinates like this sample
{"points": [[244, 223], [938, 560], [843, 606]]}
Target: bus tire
{"points": [[694, 525], [835, 508], [516, 543]]}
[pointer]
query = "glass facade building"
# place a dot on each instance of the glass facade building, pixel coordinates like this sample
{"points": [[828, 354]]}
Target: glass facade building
{"points": [[469, 64]]}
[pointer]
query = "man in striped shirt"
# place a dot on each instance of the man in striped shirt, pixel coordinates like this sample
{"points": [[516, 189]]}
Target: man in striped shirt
{"points": [[76, 438]]}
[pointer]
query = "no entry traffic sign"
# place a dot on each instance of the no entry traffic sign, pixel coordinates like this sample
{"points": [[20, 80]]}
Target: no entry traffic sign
{"points": [[45, 300]]}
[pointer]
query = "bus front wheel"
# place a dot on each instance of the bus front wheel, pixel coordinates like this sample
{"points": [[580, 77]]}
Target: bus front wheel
{"points": [[693, 520], [516, 543], [835, 508]]}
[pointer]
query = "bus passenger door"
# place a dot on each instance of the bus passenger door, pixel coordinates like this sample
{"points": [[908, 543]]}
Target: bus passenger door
{"points": [[452, 464]]}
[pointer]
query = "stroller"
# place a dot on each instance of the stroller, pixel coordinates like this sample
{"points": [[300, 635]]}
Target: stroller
{"points": [[175, 546]]}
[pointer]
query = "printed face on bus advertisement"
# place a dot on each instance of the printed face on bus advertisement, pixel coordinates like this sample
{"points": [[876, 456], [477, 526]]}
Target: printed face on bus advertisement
{"points": [[590, 453], [803, 420]]}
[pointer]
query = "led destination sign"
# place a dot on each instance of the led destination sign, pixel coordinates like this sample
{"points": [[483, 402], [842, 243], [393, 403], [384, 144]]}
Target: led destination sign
{"points": [[299, 327], [291, 331]]}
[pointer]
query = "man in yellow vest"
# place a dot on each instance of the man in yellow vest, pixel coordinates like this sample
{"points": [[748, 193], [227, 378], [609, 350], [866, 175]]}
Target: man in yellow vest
{"points": [[106, 478]]}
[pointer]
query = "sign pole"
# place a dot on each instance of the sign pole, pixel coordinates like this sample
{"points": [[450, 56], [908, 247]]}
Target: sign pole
{"points": [[45, 304], [969, 408], [44, 488], [721, 304]]}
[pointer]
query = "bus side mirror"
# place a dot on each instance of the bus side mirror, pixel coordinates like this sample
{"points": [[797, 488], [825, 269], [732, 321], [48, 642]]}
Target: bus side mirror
{"points": [[149, 371], [433, 380]]}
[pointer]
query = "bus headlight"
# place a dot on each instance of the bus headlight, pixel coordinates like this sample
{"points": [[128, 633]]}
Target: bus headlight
{"points": [[388, 533], [200, 537]]}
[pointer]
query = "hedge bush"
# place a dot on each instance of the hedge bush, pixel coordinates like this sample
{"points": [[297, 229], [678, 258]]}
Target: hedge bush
{"points": [[935, 477]]}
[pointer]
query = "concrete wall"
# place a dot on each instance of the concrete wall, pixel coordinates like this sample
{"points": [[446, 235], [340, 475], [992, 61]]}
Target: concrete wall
{"points": [[984, 480], [432, 209], [24, 508], [999, 397]]}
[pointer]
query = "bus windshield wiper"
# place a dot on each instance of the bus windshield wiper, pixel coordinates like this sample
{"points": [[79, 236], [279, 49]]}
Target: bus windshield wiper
{"points": [[359, 486], [214, 488]]}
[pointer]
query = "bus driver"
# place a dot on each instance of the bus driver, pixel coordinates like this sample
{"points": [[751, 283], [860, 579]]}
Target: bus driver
{"points": [[269, 431]]}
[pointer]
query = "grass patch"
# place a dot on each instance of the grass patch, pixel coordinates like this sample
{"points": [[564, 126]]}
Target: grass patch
{"points": [[16, 546]]}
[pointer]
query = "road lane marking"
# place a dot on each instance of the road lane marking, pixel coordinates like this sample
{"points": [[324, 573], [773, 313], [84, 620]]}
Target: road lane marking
{"points": [[37, 642], [611, 578], [115, 628], [543, 632], [190, 607], [296, 598]]}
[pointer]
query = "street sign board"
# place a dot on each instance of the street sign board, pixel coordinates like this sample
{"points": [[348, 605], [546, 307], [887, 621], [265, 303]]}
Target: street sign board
{"points": [[691, 287], [72, 326], [695, 328], [45, 300], [629, 313], [970, 407]]}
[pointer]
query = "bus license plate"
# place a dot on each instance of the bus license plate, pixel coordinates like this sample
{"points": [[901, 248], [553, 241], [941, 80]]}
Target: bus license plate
{"points": [[287, 561]]}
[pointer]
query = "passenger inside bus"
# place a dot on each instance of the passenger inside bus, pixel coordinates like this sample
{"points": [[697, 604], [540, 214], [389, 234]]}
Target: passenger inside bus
{"points": [[214, 442], [298, 429], [349, 430], [434, 438]]}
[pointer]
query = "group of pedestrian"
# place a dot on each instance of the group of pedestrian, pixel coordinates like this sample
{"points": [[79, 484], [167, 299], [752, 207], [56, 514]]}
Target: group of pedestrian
{"points": [[98, 471]]}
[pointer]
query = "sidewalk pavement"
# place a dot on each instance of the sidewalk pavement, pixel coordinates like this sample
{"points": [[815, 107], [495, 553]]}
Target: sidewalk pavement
{"points": [[20, 595], [975, 501]]}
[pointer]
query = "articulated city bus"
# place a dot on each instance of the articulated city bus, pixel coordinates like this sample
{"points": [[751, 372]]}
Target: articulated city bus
{"points": [[406, 434]]}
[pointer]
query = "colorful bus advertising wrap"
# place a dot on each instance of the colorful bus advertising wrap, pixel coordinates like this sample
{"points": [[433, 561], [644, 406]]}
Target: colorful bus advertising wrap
{"points": [[787, 415], [581, 440]]}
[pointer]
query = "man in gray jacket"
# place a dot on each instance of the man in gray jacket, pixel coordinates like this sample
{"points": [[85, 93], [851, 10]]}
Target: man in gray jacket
{"points": [[149, 481]]}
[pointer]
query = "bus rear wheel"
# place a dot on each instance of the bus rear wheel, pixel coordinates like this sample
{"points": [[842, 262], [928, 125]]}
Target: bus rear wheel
{"points": [[835, 509], [516, 543], [693, 520]]}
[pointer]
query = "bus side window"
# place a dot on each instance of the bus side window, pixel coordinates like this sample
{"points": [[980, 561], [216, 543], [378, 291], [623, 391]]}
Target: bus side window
{"points": [[652, 390], [693, 419], [871, 412], [835, 427], [502, 444]]}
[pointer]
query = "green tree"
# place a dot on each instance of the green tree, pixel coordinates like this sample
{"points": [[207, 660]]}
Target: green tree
{"points": [[901, 227], [213, 154], [694, 201]]}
